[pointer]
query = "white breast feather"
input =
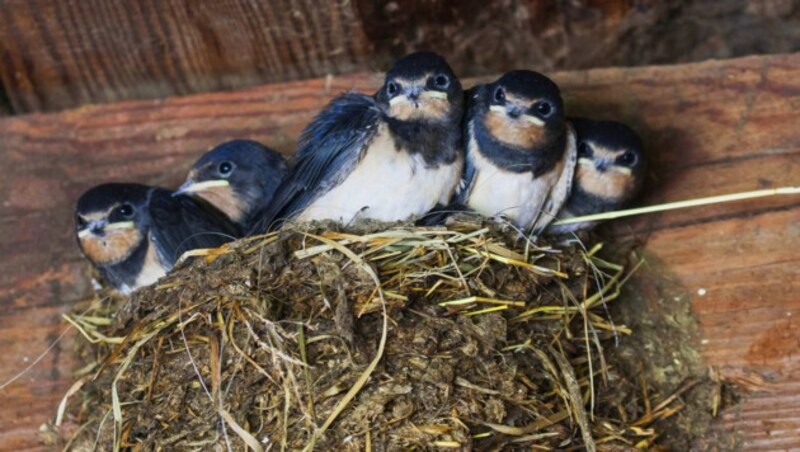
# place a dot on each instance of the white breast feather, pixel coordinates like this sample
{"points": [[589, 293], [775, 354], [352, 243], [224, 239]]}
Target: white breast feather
{"points": [[152, 270], [387, 185], [519, 196]]}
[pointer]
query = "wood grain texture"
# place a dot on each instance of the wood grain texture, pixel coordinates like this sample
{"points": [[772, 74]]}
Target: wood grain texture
{"points": [[710, 128], [56, 54]]}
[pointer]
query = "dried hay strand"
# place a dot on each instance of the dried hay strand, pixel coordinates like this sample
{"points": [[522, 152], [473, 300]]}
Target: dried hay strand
{"points": [[367, 338]]}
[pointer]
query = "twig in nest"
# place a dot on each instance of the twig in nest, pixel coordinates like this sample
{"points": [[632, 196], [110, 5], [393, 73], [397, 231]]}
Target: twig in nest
{"points": [[574, 391]]}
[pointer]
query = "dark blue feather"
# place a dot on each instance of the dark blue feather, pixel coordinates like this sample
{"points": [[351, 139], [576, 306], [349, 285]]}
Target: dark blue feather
{"points": [[329, 149], [468, 177], [180, 224]]}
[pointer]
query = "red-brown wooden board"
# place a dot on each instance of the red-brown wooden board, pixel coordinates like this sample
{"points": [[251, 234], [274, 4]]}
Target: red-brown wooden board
{"points": [[59, 54], [710, 128], [62, 53]]}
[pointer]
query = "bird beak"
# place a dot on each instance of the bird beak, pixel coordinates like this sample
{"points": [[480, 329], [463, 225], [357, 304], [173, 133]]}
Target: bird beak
{"points": [[120, 225], [515, 112], [99, 227], [191, 186], [414, 93], [93, 228], [533, 120], [433, 94], [602, 164]]}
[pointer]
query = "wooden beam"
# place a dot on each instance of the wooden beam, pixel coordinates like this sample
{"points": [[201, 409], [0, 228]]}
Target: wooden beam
{"points": [[710, 128], [58, 54]]}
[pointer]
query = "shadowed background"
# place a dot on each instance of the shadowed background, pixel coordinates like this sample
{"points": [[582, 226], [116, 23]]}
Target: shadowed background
{"points": [[58, 54]]}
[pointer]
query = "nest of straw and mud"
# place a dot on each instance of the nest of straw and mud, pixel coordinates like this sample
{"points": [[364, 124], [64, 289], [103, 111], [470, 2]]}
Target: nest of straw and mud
{"points": [[375, 338]]}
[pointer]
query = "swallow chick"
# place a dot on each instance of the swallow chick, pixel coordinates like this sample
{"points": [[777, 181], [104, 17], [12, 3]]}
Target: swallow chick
{"points": [[387, 157], [238, 178], [133, 234], [520, 153], [610, 171]]}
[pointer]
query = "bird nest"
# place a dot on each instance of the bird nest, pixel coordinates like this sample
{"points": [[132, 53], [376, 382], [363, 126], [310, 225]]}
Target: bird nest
{"points": [[379, 338]]}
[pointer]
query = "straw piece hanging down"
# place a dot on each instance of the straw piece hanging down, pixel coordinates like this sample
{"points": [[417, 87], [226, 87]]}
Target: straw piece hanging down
{"points": [[575, 398]]}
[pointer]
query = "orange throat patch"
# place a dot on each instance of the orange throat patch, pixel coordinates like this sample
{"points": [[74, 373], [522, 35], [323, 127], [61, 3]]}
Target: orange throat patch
{"points": [[224, 200], [425, 109], [115, 246], [608, 185], [513, 132]]}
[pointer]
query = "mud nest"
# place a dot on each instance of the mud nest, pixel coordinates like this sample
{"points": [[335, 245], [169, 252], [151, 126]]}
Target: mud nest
{"points": [[373, 338]]}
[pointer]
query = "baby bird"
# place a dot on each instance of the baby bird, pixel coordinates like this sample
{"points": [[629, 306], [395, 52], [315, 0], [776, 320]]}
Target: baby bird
{"points": [[520, 152], [133, 234], [610, 172], [387, 157], [238, 178]]}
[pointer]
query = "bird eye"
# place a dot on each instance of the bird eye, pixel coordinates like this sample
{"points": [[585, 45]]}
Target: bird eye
{"points": [[543, 108], [441, 81], [584, 150], [392, 88], [627, 159], [125, 210], [225, 168], [499, 95]]}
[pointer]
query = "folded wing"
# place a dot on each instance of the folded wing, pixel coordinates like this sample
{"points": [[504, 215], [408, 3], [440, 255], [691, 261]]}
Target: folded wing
{"points": [[328, 151]]}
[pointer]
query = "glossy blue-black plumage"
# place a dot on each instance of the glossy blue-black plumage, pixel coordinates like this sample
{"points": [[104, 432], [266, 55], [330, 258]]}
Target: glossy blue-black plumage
{"points": [[468, 174], [180, 224], [431, 139], [266, 165], [329, 149], [253, 171]]}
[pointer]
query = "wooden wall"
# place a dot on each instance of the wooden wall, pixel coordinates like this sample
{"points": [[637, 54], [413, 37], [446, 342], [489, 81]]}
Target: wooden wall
{"points": [[61, 53], [58, 54]]}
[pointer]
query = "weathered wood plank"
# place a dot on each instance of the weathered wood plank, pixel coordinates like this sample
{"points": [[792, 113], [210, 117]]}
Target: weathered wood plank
{"points": [[711, 128], [58, 54]]}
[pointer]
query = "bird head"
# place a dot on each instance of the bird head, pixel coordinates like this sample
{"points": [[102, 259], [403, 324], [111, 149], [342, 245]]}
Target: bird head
{"points": [[611, 161], [237, 177], [421, 87], [522, 109], [111, 221]]}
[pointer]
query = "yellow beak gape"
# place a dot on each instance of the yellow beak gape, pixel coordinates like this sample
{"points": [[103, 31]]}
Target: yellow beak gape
{"points": [[200, 186], [119, 225], [433, 95], [109, 227], [533, 120], [527, 118]]}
